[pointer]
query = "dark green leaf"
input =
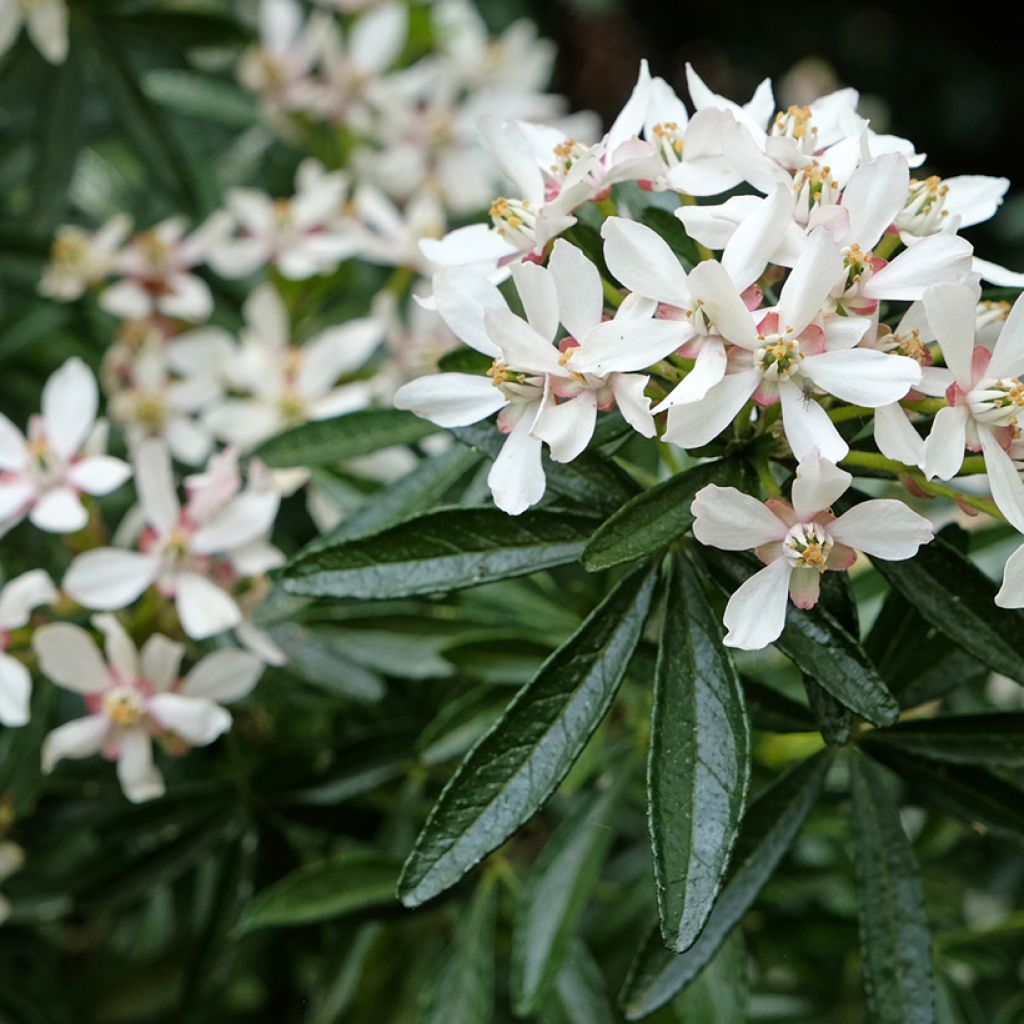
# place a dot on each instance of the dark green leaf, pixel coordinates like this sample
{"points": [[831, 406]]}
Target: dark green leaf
{"points": [[349, 881], [330, 442], [996, 739], [556, 894], [769, 827], [315, 656], [719, 994], [464, 360], [442, 550], [835, 720], [894, 940], [579, 995], [518, 764], [699, 764], [671, 229], [772, 711], [655, 518]]}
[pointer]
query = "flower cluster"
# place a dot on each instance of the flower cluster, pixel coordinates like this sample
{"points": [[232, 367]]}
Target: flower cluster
{"points": [[834, 291]]}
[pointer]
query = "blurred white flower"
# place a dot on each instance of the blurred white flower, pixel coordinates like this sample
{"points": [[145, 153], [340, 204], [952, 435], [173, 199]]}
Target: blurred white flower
{"points": [[46, 22], [18, 599], [81, 259], [12, 860]]}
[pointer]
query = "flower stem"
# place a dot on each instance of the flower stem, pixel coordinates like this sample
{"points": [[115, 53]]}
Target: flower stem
{"points": [[612, 295], [848, 412]]}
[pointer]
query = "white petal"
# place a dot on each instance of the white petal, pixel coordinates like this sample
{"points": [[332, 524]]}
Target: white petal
{"points": [[1008, 353], [696, 423], [197, 721], [126, 300], [844, 331], [808, 427], [15, 496], [99, 474], [462, 299], [625, 344], [188, 298], [708, 370], [59, 511], [934, 259], [15, 691], [120, 651], [634, 405], [537, 292], [511, 151], [376, 37], [48, 27], [1003, 479], [816, 273], [68, 655], [756, 613], [874, 195], [204, 609], [242, 520], [81, 738], [13, 453], [259, 643], [140, 779], [523, 348], [1001, 277], [224, 676], [896, 437], [160, 660], [643, 261], [21, 595], [517, 479], [863, 376], [154, 480], [1011, 593], [952, 312], [451, 399], [568, 426], [817, 485], [757, 237], [578, 281], [944, 446], [974, 197], [336, 351], [475, 244], [882, 528], [109, 578], [733, 521], [712, 286], [69, 404]]}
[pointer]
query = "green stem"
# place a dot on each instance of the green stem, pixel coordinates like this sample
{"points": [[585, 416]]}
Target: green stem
{"points": [[887, 246], [928, 405], [612, 295], [769, 485], [848, 412]]}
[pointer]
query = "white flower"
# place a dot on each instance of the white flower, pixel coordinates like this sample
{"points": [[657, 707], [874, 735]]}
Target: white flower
{"points": [[389, 236], [284, 384], [46, 21], [188, 553], [985, 399], [12, 860], [798, 543], [18, 598], [80, 259], [42, 476], [133, 697]]}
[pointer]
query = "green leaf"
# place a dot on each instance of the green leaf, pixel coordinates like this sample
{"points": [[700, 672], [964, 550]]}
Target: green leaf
{"points": [[835, 720], [819, 646], [655, 518], [771, 711], [330, 442], [322, 659], [670, 227], [463, 992], [956, 597], [557, 892], [443, 550], [769, 827], [976, 796], [519, 763], [579, 995], [894, 940], [464, 360], [349, 881], [202, 97], [994, 739], [719, 994], [699, 763]]}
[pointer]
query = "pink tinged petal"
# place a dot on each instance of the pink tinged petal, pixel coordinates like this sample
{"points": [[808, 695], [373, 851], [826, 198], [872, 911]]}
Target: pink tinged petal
{"points": [[816, 273], [70, 397], [874, 195], [1011, 593], [197, 721], [568, 426], [160, 661], [882, 528], [643, 261], [99, 474], [243, 520], [109, 578], [154, 480], [451, 399], [80, 738], [708, 371], [757, 237], [204, 609], [697, 423], [224, 676], [863, 376], [516, 479], [804, 588], [944, 446], [13, 453], [626, 344], [952, 312], [21, 595], [713, 288], [59, 511], [974, 197], [808, 427], [1008, 353], [188, 298], [539, 297], [817, 485], [726, 518], [934, 259], [15, 691], [140, 779], [580, 295], [69, 656], [896, 437], [1003, 479], [15, 496], [120, 651], [523, 348], [756, 613], [635, 406]]}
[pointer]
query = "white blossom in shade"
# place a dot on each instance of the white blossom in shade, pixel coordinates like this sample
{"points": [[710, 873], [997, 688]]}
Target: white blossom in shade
{"points": [[799, 351], [80, 259], [985, 398], [156, 272], [46, 22], [195, 554], [18, 599], [12, 860], [134, 697], [280, 384], [389, 236], [302, 236], [42, 476], [797, 543]]}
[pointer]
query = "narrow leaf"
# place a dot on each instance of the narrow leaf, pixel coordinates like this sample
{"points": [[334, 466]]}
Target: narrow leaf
{"points": [[519, 763], [719, 994], [579, 996], [699, 763], [316, 656], [442, 550], [895, 944], [994, 739]]}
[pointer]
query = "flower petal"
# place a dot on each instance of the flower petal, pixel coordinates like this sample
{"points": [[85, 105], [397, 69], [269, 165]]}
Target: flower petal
{"points": [[874, 195], [808, 427], [1008, 353], [937, 258], [109, 578], [624, 344], [81, 738], [140, 778], [952, 313], [154, 480], [580, 295], [816, 273], [204, 609], [634, 405], [720, 301], [160, 661], [726, 518], [69, 656], [523, 348], [1003, 479], [567, 427], [696, 423], [896, 437], [757, 238], [517, 479], [223, 676], [756, 613], [708, 370], [59, 511], [537, 292], [1011, 593], [944, 446], [196, 720], [643, 261], [15, 691], [120, 651], [70, 398], [451, 399], [863, 376], [818, 483], [21, 595], [882, 528], [99, 474]]}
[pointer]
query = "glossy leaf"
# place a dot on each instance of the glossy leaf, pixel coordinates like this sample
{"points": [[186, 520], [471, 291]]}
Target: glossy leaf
{"points": [[316, 656], [699, 763], [719, 994], [995, 739], [518, 764], [895, 944], [579, 995]]}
